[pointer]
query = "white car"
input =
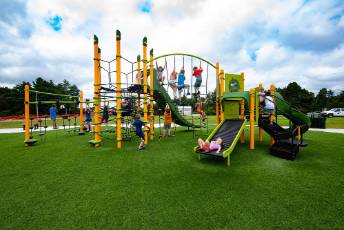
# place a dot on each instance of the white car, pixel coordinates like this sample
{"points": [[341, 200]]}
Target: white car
{"points": [[335, 112]]}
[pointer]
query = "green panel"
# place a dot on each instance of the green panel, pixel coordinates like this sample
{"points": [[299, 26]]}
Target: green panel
{"points": [[233, 83], [231, 110], [237, 96]]}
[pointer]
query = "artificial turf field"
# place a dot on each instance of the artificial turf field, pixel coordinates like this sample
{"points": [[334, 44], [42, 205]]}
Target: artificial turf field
{"points": [[63, 183]]}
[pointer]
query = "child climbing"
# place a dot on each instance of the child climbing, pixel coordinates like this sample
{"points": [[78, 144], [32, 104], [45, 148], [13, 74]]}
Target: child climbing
{"points": [[197, 73], [205, 146], [53, 113], [160, 72], [172, 82], [138, 78], [181, 83], [199, 109], [138, 124], [262, 96], [88, 119], [167, 121]]}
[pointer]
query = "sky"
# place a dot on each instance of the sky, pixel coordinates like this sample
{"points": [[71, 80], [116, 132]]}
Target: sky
{"points": [[270, 41]]}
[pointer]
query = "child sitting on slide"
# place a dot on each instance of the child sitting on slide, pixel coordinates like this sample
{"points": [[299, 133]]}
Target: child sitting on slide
{"points": [[205, 146]]}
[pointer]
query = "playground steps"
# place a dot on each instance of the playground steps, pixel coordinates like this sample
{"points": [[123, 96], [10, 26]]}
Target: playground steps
{"points": [[284, 150], [283, 147], [274, 130]]}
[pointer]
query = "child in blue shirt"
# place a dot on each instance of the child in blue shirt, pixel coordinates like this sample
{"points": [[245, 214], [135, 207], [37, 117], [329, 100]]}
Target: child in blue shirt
{"points": [[53, 113], [181, 84], [138, 124]]}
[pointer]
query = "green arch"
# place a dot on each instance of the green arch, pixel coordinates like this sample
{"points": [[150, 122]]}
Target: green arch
{"points": [[185, 54]]}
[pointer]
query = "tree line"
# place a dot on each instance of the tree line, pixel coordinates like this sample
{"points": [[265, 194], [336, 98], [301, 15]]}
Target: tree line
{"points": [[12, 99]]}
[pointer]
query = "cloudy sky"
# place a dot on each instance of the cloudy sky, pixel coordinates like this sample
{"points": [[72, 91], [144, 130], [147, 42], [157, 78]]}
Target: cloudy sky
{"points": [[272, 41]]}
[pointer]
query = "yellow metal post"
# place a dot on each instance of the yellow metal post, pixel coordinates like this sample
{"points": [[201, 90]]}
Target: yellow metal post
{"points": [[151, 85], [298, 135], [118, 90], [139, 73], [242, 108], [97, 84], [252, 101], [217, 69], [27, 112], [222, 90], [260, 87], [81, 115], [145, 90], [272, 91]]}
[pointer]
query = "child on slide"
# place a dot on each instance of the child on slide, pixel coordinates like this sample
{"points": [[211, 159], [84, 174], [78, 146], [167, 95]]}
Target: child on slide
{"points": [[138, 124], [205, 146]]}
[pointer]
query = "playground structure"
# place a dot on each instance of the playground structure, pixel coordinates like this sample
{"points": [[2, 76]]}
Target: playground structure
{"points": [[233, 103], [233, 118], [42, 120], [141, 83]]}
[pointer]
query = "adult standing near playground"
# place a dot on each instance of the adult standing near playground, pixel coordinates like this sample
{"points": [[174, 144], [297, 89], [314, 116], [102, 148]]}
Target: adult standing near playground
{"points": [[53, 113]]}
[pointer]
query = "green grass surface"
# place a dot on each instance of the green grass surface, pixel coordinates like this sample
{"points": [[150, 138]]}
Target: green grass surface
{"points": [[63, 183], [333, 122]]}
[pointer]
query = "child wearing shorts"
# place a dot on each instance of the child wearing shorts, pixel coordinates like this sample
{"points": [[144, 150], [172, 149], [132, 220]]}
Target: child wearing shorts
{"points": [[167, 121], [197, 73]]}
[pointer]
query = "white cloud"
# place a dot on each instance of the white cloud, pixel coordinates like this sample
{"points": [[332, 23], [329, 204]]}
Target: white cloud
{"points": [[291, 41]]}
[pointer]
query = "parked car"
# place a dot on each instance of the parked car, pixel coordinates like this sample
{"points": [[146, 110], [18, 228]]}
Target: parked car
{"points": [[335, 112], [314, 114]]}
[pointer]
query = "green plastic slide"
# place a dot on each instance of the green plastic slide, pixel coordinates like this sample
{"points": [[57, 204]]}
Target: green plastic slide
{"points": [[298, 118]]}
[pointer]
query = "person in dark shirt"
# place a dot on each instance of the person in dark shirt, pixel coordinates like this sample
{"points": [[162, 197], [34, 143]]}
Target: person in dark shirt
{"points": [[105, 115], [88, 120], [138, 124]]}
